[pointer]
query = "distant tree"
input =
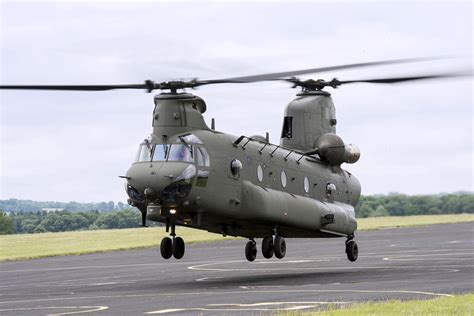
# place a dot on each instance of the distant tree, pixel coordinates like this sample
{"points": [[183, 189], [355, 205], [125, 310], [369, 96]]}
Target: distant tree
{"points": [[379, 212], [7, 226], [365, 210], [40, 229]]}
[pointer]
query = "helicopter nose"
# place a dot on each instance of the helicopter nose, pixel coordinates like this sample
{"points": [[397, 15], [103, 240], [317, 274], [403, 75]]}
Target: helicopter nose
{"points": [[175, 181], [165, 182]]}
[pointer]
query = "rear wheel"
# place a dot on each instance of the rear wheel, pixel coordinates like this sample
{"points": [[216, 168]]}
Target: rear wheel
{"points": [[352, 250], [267, 247], [178, 247], [166, 248], [279, 247], [251, 250]]}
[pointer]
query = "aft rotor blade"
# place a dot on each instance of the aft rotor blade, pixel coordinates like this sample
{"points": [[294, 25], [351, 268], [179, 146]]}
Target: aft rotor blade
{"points": [[403, 79], [279, 75]]}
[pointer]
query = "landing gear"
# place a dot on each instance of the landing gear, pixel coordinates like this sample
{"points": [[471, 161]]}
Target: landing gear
{"points": [[172, 247], [251, 250], [166, 248], [279, 247], [270, 246], [267, 247], [352, 250], [178, 248]]}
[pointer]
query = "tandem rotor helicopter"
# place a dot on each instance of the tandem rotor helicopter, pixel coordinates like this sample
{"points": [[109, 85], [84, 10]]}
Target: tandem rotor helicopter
{"points": [[188, 174]]}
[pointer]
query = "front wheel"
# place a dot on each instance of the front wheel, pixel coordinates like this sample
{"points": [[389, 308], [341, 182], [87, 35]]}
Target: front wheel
{"points": [[166, 248], [178, 247]]}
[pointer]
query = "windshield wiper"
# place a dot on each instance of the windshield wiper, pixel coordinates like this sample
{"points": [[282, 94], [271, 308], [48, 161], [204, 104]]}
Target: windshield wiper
{"points": [[189, 147]]}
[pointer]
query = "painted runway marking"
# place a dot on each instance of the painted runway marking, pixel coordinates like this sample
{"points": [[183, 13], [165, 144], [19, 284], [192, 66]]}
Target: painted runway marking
{"points": [[252, 307], [215, 293], [433, 256], [88, 309]]}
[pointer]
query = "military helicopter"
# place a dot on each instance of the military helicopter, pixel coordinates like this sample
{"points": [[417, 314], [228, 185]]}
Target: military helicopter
{"points": [[188, 174]]}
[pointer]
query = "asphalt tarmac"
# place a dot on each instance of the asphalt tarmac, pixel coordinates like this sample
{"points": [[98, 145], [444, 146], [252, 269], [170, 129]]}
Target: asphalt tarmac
{"points": [[214, 278]]}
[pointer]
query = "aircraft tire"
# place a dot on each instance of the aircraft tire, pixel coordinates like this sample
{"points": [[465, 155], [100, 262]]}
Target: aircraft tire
{"points": [[279, 247], [166, 248], [178, 248], [251, 250], [352, 250], [267, 247]]}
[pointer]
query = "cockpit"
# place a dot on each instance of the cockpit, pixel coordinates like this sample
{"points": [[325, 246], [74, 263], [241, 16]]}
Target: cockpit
{"points": [[190, 149], [180, 164]]}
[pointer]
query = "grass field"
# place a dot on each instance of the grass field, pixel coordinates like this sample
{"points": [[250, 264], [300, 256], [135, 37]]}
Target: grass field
{"points": [[458, 305], [29, 246]]}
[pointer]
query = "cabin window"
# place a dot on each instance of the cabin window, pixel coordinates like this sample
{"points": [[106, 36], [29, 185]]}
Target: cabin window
{"points": [[260, 173], [287, 130], [235, 167], [330, 189], [283, 179], [306, 184]]}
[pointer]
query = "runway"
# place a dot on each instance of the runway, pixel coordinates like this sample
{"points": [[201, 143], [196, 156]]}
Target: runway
{"points": [[214, 278]]}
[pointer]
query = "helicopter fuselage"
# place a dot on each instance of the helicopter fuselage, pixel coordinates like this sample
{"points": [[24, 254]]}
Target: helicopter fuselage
{"points": [[244, 187]]}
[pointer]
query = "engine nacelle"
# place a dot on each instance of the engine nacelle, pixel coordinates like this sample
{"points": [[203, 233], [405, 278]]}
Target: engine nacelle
{"points": [[331, 149]]}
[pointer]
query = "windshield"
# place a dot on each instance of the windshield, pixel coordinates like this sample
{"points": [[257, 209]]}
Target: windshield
{"points": [[181, 152], [189, 147], [143, 153], [160, 152]]}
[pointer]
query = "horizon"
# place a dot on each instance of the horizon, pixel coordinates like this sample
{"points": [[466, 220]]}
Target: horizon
{"points": [[461, 192]]}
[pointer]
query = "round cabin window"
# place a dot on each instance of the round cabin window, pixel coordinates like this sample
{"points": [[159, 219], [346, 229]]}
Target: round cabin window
{"points": [[235, 167], [330, 189], [283, 179], [260, 173], [306, 184]]}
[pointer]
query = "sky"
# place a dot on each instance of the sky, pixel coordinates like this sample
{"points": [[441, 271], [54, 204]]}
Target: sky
{"points": [[415, 138]]}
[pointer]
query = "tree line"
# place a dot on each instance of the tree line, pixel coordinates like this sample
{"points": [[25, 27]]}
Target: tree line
{"points": [[15, 205], [62, 221], [405, 205], [21, 221]]}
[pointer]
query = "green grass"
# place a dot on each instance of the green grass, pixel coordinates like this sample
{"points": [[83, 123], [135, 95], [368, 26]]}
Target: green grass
{"points": [[29, 246], [442, 306], [407, 221]]}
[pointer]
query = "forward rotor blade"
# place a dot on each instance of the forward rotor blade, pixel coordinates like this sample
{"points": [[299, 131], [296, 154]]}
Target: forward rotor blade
{"points": [[279, 75], [74, 87], [403, 79]]}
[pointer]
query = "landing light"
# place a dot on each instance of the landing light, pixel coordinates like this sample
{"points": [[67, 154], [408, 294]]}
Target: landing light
{"points": [[172, 211]]}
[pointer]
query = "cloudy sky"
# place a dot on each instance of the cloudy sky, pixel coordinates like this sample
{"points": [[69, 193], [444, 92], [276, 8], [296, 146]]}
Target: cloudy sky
{"points": [[415, 138]]}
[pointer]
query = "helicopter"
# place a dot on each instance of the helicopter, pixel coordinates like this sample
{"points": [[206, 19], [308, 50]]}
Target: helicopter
{"points": [[189, 174]]}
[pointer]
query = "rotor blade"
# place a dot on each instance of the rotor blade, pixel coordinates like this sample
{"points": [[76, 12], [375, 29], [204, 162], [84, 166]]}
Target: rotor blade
{"points": [[403, 79], [279, 75], [74, 87]]}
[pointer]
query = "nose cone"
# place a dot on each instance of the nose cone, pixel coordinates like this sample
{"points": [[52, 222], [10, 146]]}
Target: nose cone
{"points": [[169, 181]]}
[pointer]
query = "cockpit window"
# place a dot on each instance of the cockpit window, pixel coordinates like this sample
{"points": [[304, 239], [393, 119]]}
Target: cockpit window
{"points": [[160, 152], [187, 147], [190, 138], [202, 156], [144, 152], [181, 152]]}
